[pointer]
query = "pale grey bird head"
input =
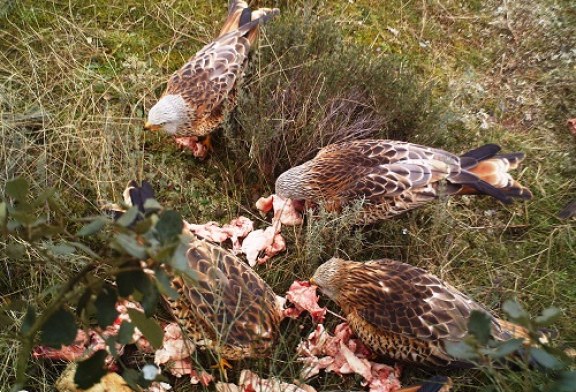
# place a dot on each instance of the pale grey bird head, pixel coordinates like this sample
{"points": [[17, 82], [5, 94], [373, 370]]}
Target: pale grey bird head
{"points": [[170, 113]]}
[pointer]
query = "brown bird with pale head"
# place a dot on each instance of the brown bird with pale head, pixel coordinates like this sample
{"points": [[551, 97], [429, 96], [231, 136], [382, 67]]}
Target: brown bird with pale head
{"points": [[403, 312], [199, 94], [227, 307], [393, 177]]}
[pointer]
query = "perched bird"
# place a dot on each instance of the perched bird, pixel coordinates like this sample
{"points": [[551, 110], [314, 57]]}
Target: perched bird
{"points": [[200, 93], [403, 312], [393, 177], [228, 308]]}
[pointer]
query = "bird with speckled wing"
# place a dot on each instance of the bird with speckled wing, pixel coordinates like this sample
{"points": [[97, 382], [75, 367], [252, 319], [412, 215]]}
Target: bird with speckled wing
{"points": [[403, 312], [228, 308], [199, 94], [392, 177]]}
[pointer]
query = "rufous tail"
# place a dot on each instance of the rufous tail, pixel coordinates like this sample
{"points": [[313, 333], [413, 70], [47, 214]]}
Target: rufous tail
{"points": [[239, 14], [486, 172]]}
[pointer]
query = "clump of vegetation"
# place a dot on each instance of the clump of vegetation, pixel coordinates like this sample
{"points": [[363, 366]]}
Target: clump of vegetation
{"points": [[108, 269], [309, 87], [507, 362]]}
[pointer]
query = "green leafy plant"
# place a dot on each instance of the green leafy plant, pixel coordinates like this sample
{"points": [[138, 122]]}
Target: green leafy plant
{"points": [[533, 354], [116, 252]]}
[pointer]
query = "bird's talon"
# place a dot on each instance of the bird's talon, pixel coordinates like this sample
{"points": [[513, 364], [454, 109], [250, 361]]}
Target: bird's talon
{"points": [[222, 365]]}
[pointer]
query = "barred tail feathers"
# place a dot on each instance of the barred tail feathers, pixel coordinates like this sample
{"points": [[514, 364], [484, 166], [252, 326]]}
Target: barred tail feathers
{"points": [[492, 174], [239, 14]]}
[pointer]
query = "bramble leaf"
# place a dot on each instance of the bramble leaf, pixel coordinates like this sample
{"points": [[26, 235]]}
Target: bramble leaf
{"points": [[548, 316], [125, 332], [148, 327], [60, 329], [169, 226], [129, 245], [479, 326], [106, 312], [91, 370], [128, 217], [93, 227]]}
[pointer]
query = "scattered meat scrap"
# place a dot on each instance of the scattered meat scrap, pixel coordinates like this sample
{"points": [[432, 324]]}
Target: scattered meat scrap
{"points": [[175, 356], [285, 210], [191, 143], [251, 382], [303, 296], [92, 340], [258, 246], [342, 354]]}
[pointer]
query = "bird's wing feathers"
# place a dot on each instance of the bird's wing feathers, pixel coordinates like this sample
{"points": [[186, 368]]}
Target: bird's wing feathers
{"points": [[402, 299], [375, 169], [229, 298], [207, 79]]}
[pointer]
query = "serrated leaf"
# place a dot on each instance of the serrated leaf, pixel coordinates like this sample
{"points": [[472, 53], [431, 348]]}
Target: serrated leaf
{"points": [[169, 226], [163, 284], [90, 371], [126, 332], [152, 205], [28, 321], [15, 251], [60, 329], [460, 350], [545, 359], [17, 188], [106, 312], [548, 316], [130, 246], [479, 325], [507, 348], [62, 249], [514, 310], [128, 217], [149, 328], [93, 227]]}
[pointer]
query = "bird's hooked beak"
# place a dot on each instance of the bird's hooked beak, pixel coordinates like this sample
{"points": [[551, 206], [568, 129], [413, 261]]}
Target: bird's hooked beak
{"points": [[313, 282], [152, 127]]}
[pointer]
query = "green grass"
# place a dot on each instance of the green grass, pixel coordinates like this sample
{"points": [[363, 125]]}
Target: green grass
{"points": [[76, 81]]}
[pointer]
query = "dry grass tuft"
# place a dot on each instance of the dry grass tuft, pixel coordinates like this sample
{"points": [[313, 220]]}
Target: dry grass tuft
{"points": [[310, 88]]}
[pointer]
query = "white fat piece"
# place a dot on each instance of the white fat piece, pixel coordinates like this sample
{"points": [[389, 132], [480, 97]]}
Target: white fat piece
{"points": [[171, 112]]}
